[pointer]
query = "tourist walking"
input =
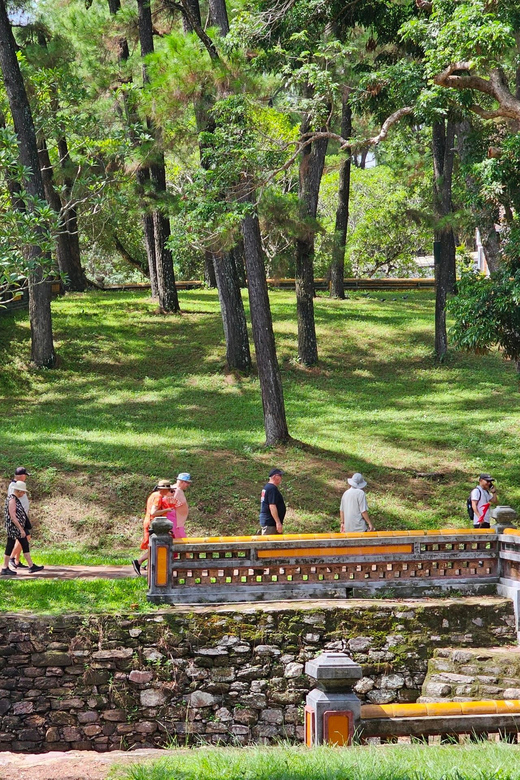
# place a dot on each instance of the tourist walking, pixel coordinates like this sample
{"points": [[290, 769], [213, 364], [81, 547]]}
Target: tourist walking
{"points": [[154, 508], [481, 498], [16, 522], [20, 475], [272, 505], [353, 509], [181, 505]]}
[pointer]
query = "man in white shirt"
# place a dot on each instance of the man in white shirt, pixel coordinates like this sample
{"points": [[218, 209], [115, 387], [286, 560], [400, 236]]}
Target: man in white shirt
{"points": [[481, 499], [353, 508]]}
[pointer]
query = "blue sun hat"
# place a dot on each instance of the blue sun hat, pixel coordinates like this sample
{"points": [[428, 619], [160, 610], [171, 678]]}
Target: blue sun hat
{"points": [[184, 477]]}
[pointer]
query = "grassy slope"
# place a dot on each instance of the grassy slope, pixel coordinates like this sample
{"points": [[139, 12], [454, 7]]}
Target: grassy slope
{"points": [[140, 396]]}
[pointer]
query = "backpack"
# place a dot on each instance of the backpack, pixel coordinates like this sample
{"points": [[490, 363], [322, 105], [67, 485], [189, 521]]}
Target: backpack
{"points": [[469, 505]]}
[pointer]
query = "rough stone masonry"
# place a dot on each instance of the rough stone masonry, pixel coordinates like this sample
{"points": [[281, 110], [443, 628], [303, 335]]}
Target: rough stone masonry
{"points": [[219, 675]]}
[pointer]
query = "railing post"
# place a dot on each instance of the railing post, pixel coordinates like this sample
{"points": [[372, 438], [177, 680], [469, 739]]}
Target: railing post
{"points": [[332, 709], [161, 559], [504, 517]]}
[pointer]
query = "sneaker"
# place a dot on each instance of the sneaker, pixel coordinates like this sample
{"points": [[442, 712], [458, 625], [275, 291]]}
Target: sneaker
{"points": [[34, 569], [8, 573], [137, 567], [19, 565]]}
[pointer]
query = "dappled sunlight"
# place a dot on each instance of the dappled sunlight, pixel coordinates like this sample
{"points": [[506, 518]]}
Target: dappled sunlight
{"points": [[139, 396]]}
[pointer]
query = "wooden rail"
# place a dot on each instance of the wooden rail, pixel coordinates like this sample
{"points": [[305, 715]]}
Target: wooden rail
{"points": [[257, 568], [351, 283], [12, 300]]}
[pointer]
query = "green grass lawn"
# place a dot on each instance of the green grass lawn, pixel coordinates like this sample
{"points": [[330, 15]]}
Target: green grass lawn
{"points": [[482, 761], [139, 396]]}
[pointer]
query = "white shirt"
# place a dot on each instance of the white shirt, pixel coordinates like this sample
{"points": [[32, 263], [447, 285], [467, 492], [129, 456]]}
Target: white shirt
{"points": [[481, 496], [24, 500], [353, 503]]}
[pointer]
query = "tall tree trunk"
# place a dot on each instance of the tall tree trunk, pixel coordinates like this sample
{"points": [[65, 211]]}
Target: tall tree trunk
{"points": [[337, 268], [238, 355], [67, 243], [143, 172], [209, 270], [311, 169], [168, 297], [443, 136], [275, 424], [78, 280], [219, 16], [42, 346]]}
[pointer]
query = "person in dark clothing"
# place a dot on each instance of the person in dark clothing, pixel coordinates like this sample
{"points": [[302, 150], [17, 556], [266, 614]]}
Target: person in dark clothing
{"points": [[15, 525], [272, 505]]}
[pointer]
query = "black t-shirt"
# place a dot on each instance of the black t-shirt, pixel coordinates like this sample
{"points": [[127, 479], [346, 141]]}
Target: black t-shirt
{"points": [[271, 495]]}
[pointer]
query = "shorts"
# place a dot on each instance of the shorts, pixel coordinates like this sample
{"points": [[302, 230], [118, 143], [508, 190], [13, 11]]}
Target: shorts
{"points": [[267, 530]]}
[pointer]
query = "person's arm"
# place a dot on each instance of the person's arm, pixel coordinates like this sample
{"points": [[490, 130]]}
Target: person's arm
{"points": [[342, 522], [474, 504], [274, 511], [12, 515], [367, 520], [156, 511], [494, 498]]}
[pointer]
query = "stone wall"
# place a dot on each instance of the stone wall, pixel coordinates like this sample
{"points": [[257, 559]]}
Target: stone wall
{"points": [[216, 675], [466, 674]]}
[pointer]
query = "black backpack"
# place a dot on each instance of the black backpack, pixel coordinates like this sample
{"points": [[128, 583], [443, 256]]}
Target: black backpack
{"points": [[469, 505]]}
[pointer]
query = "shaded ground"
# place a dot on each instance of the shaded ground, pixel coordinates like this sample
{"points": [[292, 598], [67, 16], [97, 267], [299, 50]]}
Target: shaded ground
{"points": [[73, 765], [80, 572]]}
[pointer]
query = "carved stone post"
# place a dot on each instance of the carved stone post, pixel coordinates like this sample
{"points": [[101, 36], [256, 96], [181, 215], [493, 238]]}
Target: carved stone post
{"points": [[160, 565], [332, 709]]}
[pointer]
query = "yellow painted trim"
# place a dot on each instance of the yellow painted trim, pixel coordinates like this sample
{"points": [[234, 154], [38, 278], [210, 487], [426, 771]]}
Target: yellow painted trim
{"points": [[330, 536], [439, 709], [308, 552], [161, 567]]}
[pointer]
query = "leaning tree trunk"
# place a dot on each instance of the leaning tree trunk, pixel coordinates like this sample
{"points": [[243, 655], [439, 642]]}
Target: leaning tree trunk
{"points": [[168, 297], [238, 355], [77, 279], [443, 136], [143, 172], [219, 16], [337, 268], [42, 346], [311, 170], [275, 423]]}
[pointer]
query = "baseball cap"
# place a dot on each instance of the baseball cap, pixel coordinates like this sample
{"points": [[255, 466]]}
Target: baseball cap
{"points": [[184, 476], [275, 472], [488, 477], [21, 470]]}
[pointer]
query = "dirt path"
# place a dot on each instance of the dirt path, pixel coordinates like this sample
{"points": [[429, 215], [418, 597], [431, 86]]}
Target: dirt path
{"points": [[80, 572], [73, 765]]}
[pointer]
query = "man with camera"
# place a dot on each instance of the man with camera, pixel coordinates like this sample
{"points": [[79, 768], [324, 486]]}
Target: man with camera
{"points": [[481, 499]]}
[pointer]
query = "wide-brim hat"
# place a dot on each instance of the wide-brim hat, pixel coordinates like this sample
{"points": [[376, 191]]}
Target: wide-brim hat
{"points": [[357, 481], [164, 484], [21, 486]]}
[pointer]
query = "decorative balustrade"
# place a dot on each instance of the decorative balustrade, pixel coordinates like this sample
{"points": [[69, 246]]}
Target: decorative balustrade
{"points": [[253, 568]]}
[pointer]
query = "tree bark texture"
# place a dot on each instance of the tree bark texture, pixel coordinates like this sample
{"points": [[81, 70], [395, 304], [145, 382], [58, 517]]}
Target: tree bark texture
{"points": [[275, 424], [67, 242], [443, 137], [337, 268], [143, 172], [78, 280], [238, 355], [168, 297], [225, 264], [209, 270], [219, 16], [311, 169], [42, 346]]}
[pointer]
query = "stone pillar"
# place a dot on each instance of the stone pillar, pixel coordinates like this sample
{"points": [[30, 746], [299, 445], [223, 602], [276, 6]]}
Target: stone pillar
{"points": [[504, 517], [332, 709], [161, 558]]}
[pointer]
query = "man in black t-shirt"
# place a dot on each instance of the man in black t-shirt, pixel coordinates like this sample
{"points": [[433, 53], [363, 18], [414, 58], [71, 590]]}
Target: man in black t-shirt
{"points": [[272, 505]]}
